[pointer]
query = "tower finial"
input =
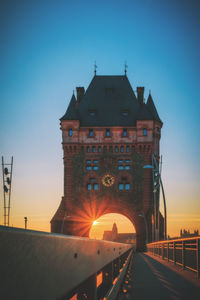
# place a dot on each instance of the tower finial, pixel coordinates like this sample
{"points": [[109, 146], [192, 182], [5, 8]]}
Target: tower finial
{"points": [[95, 68], [125, 68]]}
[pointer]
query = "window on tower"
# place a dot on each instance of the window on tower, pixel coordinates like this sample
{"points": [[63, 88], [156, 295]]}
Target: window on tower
{"points": [[107, 132], [124, 132], [92, 165], [92, 185], [124, 164], [91, 132], [70, 132], [124, 186], [144, 132]]}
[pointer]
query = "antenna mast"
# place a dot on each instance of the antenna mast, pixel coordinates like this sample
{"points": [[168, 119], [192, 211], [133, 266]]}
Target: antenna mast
{"points": [[7, 180]]}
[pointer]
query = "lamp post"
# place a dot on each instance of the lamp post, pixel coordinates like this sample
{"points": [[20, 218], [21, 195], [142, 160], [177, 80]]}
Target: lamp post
{"points": [[25, 221], [157, 182], [146, 227]]}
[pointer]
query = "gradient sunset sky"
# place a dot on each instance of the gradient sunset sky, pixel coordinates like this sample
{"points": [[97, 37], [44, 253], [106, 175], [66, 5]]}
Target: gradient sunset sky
{"points": [[49, 47]]}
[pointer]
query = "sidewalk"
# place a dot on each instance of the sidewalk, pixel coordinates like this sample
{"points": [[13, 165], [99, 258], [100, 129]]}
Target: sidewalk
{"points": [[154, 280]]}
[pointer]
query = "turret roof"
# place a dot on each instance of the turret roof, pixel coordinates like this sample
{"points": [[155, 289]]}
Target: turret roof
{"points": [[110, 101]]}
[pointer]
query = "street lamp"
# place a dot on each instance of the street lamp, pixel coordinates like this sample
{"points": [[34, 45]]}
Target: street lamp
{"points": [[146, 227], [157, 182]]}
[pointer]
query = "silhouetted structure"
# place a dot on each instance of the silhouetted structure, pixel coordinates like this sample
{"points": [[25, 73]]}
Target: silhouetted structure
{"points": [[113, 235], [108, 135], [186, 233]]}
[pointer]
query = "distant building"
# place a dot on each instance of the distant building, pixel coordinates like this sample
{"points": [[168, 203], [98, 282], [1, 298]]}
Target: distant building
{"points": [[113, 235], [186, 233]]}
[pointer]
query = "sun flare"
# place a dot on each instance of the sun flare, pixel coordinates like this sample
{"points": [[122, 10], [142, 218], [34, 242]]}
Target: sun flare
{"points": [[95, 223]]}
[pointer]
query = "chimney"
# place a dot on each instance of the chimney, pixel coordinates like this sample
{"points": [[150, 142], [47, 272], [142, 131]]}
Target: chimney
{"points": [[140, 94], [80, 93]]}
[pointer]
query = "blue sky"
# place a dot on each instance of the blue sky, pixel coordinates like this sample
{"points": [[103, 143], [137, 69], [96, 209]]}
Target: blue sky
{"points": [[49, 47]]}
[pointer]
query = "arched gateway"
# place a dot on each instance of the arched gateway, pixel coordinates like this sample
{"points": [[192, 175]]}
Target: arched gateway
{"points": [[109, 135]]}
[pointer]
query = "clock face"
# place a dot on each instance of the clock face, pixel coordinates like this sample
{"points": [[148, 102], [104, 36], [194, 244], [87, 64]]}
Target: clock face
{"points": [[108, 180]]}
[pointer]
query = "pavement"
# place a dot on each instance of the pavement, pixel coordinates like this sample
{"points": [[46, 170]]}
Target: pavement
{"points": [[154, 279]]}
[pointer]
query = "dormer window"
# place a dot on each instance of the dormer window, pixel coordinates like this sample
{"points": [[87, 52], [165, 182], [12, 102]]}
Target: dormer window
{"points": [[124, 113], [144, 132], [70, 132], [92, 112], [107, 132], [91, 133]]}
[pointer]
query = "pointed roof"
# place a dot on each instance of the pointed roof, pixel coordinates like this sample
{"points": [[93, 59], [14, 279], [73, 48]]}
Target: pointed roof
{"points": [[144, 113], [152, 109], [110, 101], [71, 113]]}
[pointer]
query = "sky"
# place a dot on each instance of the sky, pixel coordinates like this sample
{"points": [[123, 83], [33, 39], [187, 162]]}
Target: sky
{"points": [[47, 48]]}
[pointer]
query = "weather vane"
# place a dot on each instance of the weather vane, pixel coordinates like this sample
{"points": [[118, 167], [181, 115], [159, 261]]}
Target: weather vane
{"points": [[125, 68], [95, 68]]}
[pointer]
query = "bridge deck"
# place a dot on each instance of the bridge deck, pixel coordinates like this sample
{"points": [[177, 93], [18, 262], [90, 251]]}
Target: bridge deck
{"points": [[154, 279]]}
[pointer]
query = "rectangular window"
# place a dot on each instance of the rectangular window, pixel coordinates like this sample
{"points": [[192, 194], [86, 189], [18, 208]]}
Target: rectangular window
{"points": [[122, 149], [92, 112], [127, 161], [88, 161], [120, 161], [95, 168], [121, 186], [96, 186], [91, 133], [99, 149], [124, 132], [124, 113], [127, 167], [70, 132], [107, 132], [93, 149], [127, 186], [95, 161], [127, 149], [144, 132], [88, 149], [116, 149], [120, 168], [89, 186], [89, 168]]}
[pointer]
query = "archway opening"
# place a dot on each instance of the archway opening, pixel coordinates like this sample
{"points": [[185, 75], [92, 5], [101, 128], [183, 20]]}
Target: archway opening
{"points": [[113, 227]]}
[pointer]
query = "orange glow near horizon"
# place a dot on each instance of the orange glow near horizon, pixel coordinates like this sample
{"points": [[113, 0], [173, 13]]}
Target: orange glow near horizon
{"points": [[105, 222]]}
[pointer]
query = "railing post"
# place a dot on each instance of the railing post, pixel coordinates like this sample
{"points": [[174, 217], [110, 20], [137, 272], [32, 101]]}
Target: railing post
{"points": [[183, 255], [198, 258], [168, 251], [174, 252], [163, 251], [107, 278]]}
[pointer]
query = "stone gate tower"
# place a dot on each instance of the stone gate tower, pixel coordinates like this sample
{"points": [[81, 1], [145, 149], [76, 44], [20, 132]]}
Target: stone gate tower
{"points": [[109, 134]]}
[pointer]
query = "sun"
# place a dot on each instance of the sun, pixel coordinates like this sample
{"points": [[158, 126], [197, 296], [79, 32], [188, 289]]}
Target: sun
{"points": [[95, 223]]}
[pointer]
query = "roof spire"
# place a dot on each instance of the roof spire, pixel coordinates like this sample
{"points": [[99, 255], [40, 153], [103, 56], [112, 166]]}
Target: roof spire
{"points": [[125, 68], [95, 68]]}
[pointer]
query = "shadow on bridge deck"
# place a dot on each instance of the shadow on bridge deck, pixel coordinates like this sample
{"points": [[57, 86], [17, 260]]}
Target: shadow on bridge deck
{"points": [[154, 280]]}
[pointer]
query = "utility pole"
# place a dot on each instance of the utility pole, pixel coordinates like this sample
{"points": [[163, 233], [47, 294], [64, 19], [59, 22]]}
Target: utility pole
{"points": [[7, 169], [25, 221]]}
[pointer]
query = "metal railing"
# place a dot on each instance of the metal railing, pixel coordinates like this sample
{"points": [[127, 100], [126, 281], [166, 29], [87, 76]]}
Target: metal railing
{"points": [[39, 265], [183, 252]]}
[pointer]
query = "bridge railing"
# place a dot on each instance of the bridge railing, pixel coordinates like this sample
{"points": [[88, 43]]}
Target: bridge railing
{"points": [[39, 265], [183, 252]]}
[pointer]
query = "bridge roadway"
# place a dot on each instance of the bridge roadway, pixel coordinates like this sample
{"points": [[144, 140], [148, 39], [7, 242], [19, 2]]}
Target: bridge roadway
{"points": [[154, 279]]}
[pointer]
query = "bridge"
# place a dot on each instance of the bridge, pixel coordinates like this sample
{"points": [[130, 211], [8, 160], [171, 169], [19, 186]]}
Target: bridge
{"points": [[40, 265]]}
